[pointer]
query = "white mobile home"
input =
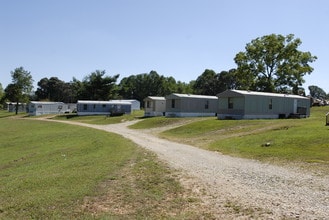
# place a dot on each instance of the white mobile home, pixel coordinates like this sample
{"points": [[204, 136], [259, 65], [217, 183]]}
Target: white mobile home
{"points": [[241, 104], [186, 105], [87, 107], [44, 108], [11, 107], [154, 106], [135, 104]]}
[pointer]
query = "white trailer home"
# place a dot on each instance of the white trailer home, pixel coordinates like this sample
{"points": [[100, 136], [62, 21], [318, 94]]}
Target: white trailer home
{"points": [[154, 106], [11, 107], [43, 108], [89, 107], [135, 104], [241, 104]]}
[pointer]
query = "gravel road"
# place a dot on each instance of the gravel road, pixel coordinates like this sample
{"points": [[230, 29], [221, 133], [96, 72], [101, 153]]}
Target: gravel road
{"points": [[235, 188]]}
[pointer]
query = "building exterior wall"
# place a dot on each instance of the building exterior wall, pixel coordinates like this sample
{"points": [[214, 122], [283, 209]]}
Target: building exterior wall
{"points": [[182, 105], [253, 105], [103, 107], [45, 108], [11, 107], [154, 106], [135, 104]]}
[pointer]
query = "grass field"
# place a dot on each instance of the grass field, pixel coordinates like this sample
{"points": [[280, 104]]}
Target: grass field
{"points": [[286, 140], [57, 171], [101, 119]]}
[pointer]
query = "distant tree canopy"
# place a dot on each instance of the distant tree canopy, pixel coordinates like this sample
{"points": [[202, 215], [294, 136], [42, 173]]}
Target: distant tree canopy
{"points": [[273, 63], [54, 89], [151, 84], [317, 92], [21, 86], [98, 86], [211, 83], [1, 92]]}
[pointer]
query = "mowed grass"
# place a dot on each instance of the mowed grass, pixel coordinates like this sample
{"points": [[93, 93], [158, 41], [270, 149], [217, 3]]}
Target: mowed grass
{"points": [[101, 119], [51, 170], [281, 140]]}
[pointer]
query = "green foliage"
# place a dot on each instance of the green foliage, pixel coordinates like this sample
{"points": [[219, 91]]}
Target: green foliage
{"points": [[97, 86], [211, 83], [54, 89], [152, 84], [317, 92], [273, 63], [21, 86]]}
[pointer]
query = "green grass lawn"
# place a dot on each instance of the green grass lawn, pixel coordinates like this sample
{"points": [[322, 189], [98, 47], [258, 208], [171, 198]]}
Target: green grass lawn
{"points": [[296, 140], [101, 119], [57, 171]]}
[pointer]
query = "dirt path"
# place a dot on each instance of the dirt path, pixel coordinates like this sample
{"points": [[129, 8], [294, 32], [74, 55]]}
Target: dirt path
{"points": [[234, 187]]}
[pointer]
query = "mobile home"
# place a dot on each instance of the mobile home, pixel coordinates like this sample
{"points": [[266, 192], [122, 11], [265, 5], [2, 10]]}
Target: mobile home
{"points": [[88, 107], [11, 107], [42, 108], [241, 104], [186, 105], [135, 104], [154, 106]]}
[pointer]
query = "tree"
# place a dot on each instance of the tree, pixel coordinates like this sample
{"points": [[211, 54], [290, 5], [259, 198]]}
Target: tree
{"points": [[21, 86], [97, 86], [2, 95], [54, 89], [317, 93], [227, 80], [273, 63], [206, 83]]}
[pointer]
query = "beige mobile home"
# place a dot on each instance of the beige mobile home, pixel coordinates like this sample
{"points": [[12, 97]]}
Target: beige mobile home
{"points": [[154, 106], [241, 104], [186, 105]]}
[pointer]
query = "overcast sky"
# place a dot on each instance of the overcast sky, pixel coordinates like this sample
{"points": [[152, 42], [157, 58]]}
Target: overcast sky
{"points": [[178, 38]]}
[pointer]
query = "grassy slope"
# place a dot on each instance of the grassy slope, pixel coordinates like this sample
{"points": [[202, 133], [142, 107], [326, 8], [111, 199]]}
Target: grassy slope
{"points": [[298, 140], [58, 171]]}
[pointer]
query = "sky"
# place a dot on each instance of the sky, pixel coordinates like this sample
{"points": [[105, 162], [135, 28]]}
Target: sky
{"points": [[179, 38]]}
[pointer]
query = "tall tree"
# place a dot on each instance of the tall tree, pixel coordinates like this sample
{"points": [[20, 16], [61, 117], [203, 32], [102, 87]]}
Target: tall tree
{"points": [[273, 63], [150, 84], [206, 83], [227, 80], [54, 89], [2, 96], [98, 86], [21, 86]]}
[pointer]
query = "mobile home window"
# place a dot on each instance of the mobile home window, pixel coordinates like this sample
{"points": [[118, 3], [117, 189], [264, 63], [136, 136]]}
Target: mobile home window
{"points": [[206, 106], [173, 103], [104, 106], [270, 104], [230, 103], [148, 104], [94, 106], [85, 107]]}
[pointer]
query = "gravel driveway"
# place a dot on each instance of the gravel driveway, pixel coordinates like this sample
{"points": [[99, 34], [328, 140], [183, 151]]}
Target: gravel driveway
{"points": [[234, 187]]}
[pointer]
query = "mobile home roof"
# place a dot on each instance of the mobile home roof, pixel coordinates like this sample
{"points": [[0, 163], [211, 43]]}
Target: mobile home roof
{"points": [[102, 102], [247, 92], [193, 96]]}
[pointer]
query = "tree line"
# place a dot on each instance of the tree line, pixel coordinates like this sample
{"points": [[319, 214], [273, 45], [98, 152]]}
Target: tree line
{"points": [[271, 63]]}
